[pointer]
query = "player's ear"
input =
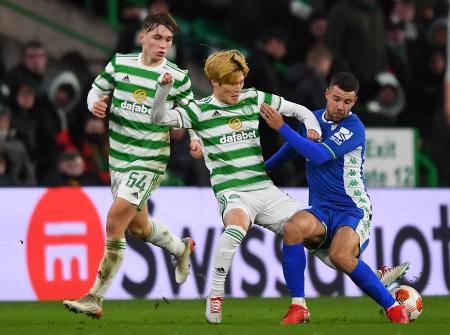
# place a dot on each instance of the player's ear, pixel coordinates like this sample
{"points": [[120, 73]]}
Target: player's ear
{"points": [[141, 37], [215, 83]]}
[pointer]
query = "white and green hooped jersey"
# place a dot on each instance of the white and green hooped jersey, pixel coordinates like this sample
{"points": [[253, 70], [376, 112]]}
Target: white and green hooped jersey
{"points": [[230, 138], [135, 144]]}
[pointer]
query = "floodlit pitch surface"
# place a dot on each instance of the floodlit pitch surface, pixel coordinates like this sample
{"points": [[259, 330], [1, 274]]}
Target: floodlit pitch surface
{"points": [[257, 316]]}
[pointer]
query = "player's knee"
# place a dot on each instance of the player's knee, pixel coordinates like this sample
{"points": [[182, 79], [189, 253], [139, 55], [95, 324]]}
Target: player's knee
{"points": [[293, 232], [112, 229], [137, 232], [340, 259]]}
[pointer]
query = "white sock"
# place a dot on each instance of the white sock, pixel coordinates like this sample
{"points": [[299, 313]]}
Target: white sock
{"points": [[299, 301], [161, 236], [225, 250], [110, 264]]}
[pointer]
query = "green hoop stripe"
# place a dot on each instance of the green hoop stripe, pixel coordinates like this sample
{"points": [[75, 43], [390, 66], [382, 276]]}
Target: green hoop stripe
{"points": [[235, 154], [229, 169], [148, 144], [239, 183], [249, 101], [224, 120], [235, 233], [137, 125], [127, 157]]}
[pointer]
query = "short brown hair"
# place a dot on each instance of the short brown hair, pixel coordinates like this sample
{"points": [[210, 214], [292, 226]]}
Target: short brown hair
{"points": [[346, 81], [161, 19], [225, 66]]}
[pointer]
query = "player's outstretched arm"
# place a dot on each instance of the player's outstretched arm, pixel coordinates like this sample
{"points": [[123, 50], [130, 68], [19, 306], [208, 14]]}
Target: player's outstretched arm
{"points": [[304, 115], [159, 114], [315, 152]]}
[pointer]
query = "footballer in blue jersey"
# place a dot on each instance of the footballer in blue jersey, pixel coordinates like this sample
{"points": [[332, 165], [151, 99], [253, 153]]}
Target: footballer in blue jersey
{"points": [[337, 223]]}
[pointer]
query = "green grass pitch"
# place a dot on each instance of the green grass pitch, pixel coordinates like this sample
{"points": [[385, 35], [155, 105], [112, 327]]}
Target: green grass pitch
{"points": [[329, 315]]}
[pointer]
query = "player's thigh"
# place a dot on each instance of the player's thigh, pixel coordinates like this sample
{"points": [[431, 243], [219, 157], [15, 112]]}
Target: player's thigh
{"points": [[134, 186], [345, 242], [119, 217], [308, 226], [238, 206], [277, 209], [357, 226]]}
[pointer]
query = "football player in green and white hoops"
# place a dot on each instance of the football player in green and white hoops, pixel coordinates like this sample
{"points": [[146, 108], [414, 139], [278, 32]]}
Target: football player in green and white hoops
{"points": [[227, 124], [138, 154]]}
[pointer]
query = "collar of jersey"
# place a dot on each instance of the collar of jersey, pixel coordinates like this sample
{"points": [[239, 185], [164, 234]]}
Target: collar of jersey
{"points": [[215, 101], [151, 67]]}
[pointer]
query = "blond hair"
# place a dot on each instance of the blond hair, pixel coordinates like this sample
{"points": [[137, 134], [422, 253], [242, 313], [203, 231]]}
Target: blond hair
{"points": [[226, 66]]}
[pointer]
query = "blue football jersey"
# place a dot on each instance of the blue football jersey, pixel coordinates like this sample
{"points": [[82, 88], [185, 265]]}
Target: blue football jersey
{"points": [[339, 182]]}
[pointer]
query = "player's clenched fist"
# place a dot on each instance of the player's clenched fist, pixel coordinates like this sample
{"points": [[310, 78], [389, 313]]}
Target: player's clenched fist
{"points": [[166, 79], [195, 149], [99, 107]]}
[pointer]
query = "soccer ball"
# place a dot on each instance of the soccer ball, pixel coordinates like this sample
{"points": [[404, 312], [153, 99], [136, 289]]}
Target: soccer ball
{"points": [[409, 297]]}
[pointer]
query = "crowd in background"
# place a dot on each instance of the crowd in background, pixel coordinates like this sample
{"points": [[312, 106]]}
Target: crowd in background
{"points": [[396, 48]]}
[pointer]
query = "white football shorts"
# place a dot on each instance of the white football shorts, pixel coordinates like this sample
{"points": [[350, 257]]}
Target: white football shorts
{"points": [[269, 208], [134, 186]]}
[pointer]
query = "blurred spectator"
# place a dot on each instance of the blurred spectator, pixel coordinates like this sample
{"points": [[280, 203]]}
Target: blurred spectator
{"points": [[264, 76], [182, 169], [5, 92], [31, 69], [70, 172], [438, 147], [268, 50], [356, 37], [64, 94], [398, 55], [317, 27], [425, 14], [404, 11], [2, 62], [249, 17], [75, 63], [429, 61], [440, 136], [6, 177], [306, 83], [94, 148], [36, 125], [20, 168], [388, 103]]}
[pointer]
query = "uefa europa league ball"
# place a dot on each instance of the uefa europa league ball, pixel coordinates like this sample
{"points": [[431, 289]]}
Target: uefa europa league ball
{"points": [[410, 298]]}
